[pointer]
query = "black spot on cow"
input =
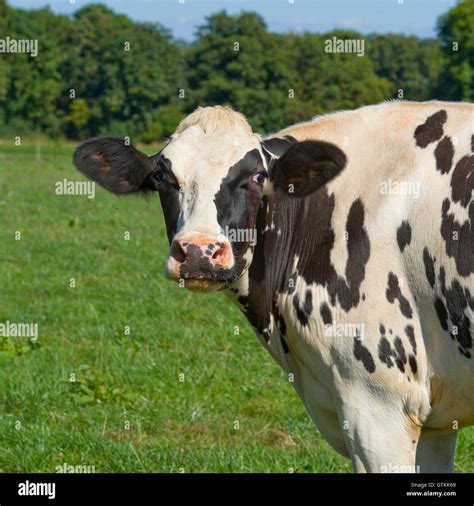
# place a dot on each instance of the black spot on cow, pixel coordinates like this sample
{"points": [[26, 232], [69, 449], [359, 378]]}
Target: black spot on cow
{"points": [[302, 317], [429, 261], [400, 355], [462, 180], [390, 356], [394, 292], [458, 238], [444, 154], [345, 289], [320, 239], [358, 249], [382, 329], [363, 354], [326, 315], [472, 143], [404, 235], [385, 352], [457, 302], [431, 130], [441, 312], [304, 312], [413, 364], [410, 332]]}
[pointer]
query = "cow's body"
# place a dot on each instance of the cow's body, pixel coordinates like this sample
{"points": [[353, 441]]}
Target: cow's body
{"points": [[363, 289], [359, 331]]}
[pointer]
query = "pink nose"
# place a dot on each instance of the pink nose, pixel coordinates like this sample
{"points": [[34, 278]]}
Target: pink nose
{"points": [[199, 252]]}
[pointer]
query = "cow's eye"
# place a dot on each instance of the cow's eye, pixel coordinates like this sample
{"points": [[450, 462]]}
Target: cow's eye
{"points": [[259, 177]]}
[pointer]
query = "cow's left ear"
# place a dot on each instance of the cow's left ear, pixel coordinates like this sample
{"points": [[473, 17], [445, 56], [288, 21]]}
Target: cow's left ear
{"points": [[306, 166]]}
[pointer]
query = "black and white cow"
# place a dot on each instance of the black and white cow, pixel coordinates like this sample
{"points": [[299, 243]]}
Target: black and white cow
{"points": [[360, 280]]}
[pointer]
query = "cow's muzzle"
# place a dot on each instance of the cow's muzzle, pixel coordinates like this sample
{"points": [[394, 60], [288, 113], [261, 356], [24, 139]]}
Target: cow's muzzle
{"points": [[201, 264]]}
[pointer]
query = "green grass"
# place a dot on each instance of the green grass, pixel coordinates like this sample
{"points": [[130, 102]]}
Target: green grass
{"points": [[127, 409]]}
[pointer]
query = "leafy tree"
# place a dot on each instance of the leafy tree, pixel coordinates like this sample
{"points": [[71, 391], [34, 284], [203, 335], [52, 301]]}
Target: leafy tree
{"points": [[410, 64], [235, 60], [276, 79], [101, 73], [456, 33], [4, 66], [34, 82], [79, 115], [327, 81], [123, 77]]}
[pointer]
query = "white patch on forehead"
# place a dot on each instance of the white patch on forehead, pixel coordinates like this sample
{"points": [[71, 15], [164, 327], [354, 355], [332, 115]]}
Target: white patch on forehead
{"points": [[200, 161], [196, 155]]}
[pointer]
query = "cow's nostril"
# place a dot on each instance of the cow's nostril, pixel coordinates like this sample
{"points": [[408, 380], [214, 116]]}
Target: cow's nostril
{"points": [[218, 253], [178, 253]]}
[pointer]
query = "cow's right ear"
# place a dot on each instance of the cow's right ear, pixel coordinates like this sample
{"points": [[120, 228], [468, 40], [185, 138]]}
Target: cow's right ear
{"points": [[116, 166]]}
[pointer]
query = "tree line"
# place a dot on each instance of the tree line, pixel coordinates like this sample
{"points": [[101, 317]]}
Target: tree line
{"points": [[98, 72]]}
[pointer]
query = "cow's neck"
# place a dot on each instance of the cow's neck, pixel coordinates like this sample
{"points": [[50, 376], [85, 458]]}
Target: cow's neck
{"points": [[281, 239]]}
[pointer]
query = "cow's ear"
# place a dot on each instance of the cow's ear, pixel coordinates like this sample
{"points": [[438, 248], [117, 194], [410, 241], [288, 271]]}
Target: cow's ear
{"points": [[118, 167], [306, 166]]}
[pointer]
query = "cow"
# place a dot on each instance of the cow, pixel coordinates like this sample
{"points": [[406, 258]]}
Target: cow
{"points": [[359, 278]]}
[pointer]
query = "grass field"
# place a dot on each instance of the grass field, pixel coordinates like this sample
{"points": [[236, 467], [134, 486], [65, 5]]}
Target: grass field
{"points": [[130, 408]]}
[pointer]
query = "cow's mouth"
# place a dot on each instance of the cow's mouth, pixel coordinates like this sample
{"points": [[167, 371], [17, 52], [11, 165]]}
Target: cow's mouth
{"points": [[203, 283]]}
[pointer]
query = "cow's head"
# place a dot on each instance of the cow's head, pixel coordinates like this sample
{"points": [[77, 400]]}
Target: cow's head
{"points": [[211, 177]]}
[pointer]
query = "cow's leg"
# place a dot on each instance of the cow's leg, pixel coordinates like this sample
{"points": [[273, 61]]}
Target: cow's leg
{"points": [[380, 437], [435, 451]]}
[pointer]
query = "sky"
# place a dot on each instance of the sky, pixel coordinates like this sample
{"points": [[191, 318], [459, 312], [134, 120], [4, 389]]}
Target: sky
{"points": [[413, 17]]}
